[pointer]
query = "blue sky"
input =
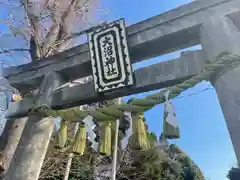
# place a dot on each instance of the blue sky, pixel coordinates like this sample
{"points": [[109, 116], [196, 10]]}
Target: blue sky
{"points": [[204, 134]]}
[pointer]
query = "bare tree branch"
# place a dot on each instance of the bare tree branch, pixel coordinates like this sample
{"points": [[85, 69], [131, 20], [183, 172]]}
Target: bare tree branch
{"points": [[63, 43], [35, 31], [58, 29], [12, 50]]}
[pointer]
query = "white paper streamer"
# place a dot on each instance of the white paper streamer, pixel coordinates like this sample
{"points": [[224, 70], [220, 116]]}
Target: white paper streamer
{"points": [[90, 133], [169, 108], [124, 141]]}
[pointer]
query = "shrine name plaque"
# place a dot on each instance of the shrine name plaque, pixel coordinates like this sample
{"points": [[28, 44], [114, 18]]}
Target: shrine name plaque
{"points": [[110, 61]]}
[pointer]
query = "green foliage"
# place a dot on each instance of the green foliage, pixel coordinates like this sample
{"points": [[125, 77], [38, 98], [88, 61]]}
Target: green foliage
{"points": [[80, 170], [150, 164], [189, 171], [152, 138], [158, 163]]}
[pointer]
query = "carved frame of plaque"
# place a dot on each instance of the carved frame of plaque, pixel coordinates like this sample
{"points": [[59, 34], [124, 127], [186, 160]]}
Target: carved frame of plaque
{"points": [[111, 65]]}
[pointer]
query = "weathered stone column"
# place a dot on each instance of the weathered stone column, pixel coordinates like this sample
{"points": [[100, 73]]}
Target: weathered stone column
{"points": [[9, 140], [220, 34], [29, 156], [30, 153]]}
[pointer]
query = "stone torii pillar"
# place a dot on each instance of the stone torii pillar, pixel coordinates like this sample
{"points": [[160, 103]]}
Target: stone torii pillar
{"points": [[217, 35]]}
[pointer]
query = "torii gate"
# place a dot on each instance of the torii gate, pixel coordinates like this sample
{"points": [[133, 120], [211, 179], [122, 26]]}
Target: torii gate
{"points": [[214, 24]]}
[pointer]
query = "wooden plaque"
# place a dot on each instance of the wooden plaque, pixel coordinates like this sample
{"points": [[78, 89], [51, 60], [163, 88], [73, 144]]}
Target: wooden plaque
{"points": [[111, 65]]}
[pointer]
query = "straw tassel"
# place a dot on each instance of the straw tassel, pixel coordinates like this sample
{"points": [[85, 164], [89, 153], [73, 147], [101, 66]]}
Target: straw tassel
{"points": [[79, 142], [62, 134], [139, 138], [105, 139]]}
